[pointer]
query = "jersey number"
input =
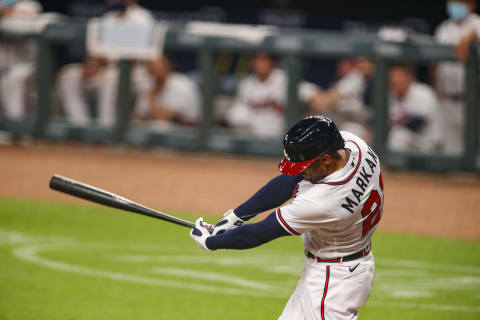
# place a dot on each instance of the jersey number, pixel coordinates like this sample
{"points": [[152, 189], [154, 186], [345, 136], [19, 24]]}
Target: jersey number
{"points": [[372, 210]]}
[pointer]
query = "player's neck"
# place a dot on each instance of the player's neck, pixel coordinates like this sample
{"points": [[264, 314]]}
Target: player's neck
{"points": [[342, 162]]}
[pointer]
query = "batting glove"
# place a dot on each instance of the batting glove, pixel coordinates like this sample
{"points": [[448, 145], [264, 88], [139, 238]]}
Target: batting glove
{"points": [[200, 234], [230, 221]]}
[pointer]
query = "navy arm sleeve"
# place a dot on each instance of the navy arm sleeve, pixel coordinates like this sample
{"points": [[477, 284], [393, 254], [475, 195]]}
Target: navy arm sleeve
{"points": [[249, 235], [276, 192]]}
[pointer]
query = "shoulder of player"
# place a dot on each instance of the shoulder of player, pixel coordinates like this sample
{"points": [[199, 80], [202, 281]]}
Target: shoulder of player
{"points": [[421, 98], [141, 13], [178, 84], [314, 199], [421, 90], [444, 26], [277, 78], [248, 80], [361, 150], [180, 79], [473, 20], [355, 144], [447, 26], [354, 77], [351, 138], [346, 135]]}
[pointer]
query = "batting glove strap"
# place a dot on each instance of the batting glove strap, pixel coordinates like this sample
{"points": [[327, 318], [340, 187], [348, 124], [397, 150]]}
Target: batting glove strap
{"points": [[230, 221], [200, 234]]}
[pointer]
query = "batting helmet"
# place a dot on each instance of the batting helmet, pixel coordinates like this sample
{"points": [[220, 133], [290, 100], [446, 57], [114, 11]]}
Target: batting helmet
{"points": [[306, 141]]}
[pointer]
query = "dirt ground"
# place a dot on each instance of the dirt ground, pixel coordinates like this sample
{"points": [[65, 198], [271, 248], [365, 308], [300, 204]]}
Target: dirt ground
{"points": [[446, 205]]}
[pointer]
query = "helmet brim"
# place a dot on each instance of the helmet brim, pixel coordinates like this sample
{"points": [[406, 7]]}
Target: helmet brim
{"points": [[291, 168]]}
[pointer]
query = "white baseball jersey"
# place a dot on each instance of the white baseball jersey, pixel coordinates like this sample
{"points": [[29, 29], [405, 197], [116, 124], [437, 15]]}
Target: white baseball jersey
{"points": [[352, 87], [180, 94], [420, 101], [337, 215], [259, 106], [450, 75], [133, 14], [450, 78]]}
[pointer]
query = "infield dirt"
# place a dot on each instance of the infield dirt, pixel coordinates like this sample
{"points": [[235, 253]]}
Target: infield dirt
{"points": [[446, 205]]}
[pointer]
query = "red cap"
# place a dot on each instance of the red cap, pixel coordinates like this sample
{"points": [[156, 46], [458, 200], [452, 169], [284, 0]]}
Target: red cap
{"points": [[292, 168]]}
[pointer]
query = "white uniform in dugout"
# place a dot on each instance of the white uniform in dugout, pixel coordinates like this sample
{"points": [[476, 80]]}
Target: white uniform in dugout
{"points": [[450, 82], [259, 106], [336, 217]]}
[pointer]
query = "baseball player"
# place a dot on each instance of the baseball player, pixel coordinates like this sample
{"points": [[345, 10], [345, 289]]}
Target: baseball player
{"points": [[99, 75], [413, 113], [168, 95], [345, 100], [462, 27], [336, 187], [259, 106], [17, 58]]}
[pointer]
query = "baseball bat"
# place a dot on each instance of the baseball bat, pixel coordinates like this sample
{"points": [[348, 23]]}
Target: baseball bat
{"points": [[87, 192]]}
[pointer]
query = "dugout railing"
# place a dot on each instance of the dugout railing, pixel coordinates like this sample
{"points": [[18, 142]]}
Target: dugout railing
{"points": [[292, 46]]}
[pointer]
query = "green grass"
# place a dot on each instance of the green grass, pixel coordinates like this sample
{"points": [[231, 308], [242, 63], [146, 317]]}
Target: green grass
{"points": [[62, 261]]}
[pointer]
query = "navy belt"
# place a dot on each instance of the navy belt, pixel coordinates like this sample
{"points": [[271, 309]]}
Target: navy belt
{"points": [[362, 253]]}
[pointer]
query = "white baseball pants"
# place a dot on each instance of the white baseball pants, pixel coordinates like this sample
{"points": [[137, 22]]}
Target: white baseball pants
{"points": [[331, 291], [453, 125], [73, 90], [13, 90]]}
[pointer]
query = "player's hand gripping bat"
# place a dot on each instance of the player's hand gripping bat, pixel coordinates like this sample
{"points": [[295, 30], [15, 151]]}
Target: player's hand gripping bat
{"points": [[87, 192]]}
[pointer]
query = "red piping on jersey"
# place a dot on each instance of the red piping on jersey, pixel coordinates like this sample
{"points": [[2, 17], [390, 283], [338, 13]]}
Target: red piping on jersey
{"points": [[325, 289], [285, 225], [354, 171]]}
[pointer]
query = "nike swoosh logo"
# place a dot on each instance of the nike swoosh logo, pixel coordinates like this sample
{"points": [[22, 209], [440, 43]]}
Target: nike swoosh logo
{"points": [[353, 268]]}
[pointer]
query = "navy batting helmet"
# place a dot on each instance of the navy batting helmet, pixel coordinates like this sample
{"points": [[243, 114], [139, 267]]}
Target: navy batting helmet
{"points": [[306, 141]]}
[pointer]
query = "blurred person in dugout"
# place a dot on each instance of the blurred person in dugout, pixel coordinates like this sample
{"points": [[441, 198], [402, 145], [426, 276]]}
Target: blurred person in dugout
{"points": [[460, 29], [171, 97], [413, 113], [97, 76], [17, 59], [345, 101], [259, 104]]}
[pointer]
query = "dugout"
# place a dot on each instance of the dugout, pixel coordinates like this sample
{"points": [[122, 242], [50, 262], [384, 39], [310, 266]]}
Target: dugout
{"points": [[292, 47]]}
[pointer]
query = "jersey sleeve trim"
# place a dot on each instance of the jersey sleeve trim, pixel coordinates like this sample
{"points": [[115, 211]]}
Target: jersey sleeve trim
{"points": [[284, 224]]}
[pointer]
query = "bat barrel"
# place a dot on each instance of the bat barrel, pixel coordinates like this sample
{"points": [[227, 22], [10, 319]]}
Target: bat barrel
{"points": [[87, 192]]}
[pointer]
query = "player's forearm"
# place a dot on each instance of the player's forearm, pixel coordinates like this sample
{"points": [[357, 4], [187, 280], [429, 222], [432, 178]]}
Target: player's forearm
{"points": [[470, 36], [276, 192], [462, 48], [248, 235]]}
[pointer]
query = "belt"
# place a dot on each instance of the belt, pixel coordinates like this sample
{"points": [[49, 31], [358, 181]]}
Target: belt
{"points": [[362, 253]]}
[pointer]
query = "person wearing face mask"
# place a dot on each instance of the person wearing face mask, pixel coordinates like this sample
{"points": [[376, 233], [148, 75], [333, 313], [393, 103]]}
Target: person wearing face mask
{"points": [[462, 27]]}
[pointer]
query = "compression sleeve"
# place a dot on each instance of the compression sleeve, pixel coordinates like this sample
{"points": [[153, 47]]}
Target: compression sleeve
{"points": [[249, 235], [276, 192]]}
